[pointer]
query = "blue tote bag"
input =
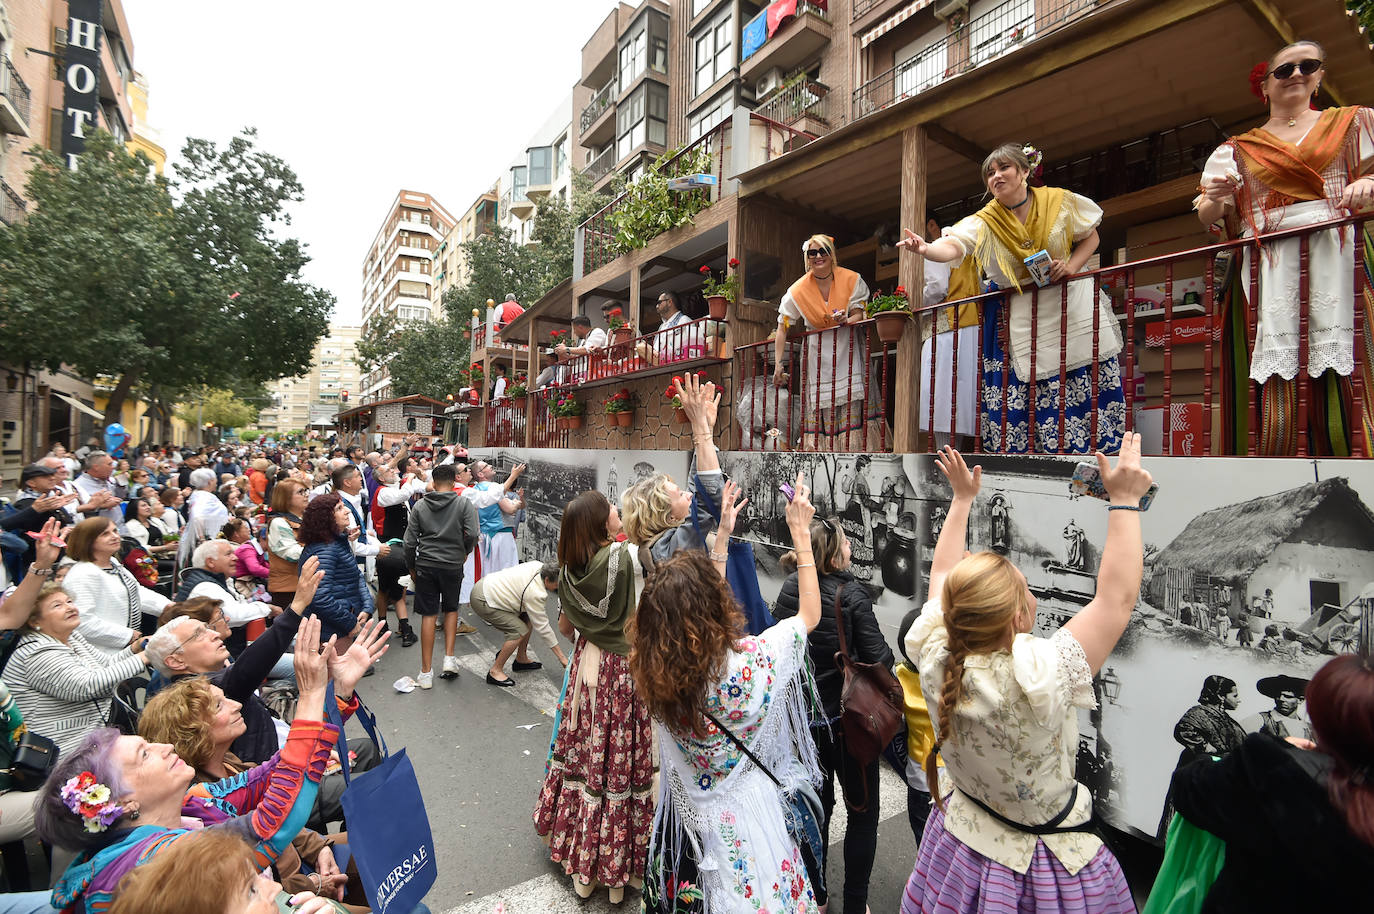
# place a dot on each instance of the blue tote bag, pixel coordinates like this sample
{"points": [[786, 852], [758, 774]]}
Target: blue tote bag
{"points": [[740, 571], [389, 833]]}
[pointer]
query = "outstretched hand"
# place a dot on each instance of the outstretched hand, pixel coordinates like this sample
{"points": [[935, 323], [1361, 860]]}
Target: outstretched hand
{"points": [[1128, 481], [913, 242], [800, 510], [47, 547], [962, 480], [368, 646], [700, 399], [310, 577], [729, 512], [312, 673]]}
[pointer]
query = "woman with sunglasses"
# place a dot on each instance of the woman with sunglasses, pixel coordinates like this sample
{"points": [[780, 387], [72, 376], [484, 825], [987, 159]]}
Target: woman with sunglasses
{"points": [[1303, 166], [837, 398]]}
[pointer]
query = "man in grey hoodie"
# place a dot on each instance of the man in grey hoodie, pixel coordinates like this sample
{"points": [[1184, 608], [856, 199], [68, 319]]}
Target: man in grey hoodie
{"points": [[443, 530]]}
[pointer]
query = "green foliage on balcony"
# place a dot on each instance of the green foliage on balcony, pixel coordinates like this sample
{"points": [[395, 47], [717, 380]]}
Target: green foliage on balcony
{"points": [[649, 208]]}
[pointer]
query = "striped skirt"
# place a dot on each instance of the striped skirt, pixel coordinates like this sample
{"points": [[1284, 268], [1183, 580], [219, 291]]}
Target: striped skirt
{"points": [[951, 878]]}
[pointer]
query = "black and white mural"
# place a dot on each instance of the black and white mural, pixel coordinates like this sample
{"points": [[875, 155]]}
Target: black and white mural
{"points": [[1256, 573]]}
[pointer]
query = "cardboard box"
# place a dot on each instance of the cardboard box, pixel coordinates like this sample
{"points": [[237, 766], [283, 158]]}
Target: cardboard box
{"points": [[1185, 358], [1185, 384], [1186, 437], [1167, 236]]}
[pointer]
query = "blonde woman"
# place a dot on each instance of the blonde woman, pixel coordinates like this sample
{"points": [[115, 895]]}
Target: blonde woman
{"points": [[1010, 831], [837, 398]]}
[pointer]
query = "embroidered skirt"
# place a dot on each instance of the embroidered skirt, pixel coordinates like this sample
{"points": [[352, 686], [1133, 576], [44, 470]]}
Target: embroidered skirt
{"points": [[952, 878], [596, 808], [1078, 403]]}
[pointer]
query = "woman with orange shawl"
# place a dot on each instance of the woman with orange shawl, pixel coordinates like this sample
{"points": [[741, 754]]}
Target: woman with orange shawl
{"points": [[837, 398], [1302, 167]]}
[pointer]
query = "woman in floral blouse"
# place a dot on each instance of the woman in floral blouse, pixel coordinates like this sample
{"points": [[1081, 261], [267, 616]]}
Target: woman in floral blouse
{"points": [[721, 840], [1010, 832]]}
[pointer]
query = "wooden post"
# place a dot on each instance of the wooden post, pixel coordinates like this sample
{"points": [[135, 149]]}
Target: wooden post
{"points": [[636, 284], [911, 275]]}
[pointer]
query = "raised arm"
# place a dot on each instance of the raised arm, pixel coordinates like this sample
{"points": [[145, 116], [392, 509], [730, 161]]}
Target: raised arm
{"points": [[949, 549], [942, 251], [700, 402], [16, 608], [1098, 626], [799, 514], [249, 672]]}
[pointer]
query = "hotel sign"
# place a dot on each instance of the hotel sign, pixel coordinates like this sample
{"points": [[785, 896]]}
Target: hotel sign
{"points": [[80, 76]]}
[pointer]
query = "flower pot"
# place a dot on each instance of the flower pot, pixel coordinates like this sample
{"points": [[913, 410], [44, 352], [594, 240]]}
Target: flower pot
{"points": [[621, 348], [560, 423], [625, 418], [571, 422], [717, 304], [467, 334], [518, 403], [472, 397], [681, 415], [890, 324]]}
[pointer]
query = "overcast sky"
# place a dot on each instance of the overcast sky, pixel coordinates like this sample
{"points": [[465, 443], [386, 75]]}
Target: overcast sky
{"points": [[362, 98]]}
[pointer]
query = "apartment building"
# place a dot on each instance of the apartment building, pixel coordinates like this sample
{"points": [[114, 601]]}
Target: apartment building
{"points": [[398, 272], [450, 259], [146, 138], [333, 380], [542, 170]]}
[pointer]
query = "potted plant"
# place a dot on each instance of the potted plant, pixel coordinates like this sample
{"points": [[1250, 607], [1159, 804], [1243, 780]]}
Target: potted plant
{"points": [[567, 411], [671, 395], [722, 293], [518, 389], [620, 407], [890, 312], [622, 332]]}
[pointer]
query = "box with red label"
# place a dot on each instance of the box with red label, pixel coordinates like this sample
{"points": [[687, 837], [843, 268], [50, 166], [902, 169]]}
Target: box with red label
{"points": [[1186, 435], [1185, 331]]}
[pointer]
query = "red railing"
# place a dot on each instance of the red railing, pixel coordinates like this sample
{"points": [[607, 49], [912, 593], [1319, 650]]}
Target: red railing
{"points": [[505, 423], [1156, 341], [544, 430], [832, 394], [692, 340]]}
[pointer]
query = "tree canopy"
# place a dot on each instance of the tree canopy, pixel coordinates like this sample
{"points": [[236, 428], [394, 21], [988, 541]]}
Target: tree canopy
{"points": [[166, 284]]}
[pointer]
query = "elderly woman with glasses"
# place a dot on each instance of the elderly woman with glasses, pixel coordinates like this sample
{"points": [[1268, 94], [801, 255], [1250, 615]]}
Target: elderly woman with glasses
{"points": [[62, 685], [837, 398]]}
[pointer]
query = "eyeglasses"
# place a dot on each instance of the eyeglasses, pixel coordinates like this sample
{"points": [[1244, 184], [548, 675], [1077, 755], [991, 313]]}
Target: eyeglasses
{"points": [[1306, 68], [816, 252], [204, 632]]}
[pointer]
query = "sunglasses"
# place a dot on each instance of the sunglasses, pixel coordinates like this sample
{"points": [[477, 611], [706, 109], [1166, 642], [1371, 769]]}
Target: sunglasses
{"points": [[816, 252], [1306, 68]]}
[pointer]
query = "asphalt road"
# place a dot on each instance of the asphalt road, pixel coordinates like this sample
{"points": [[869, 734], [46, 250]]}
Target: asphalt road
{"points": [[479, 754]]}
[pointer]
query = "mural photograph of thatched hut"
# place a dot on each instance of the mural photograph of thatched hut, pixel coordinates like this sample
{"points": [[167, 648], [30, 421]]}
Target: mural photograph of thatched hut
{"points": [[1298, 559]]}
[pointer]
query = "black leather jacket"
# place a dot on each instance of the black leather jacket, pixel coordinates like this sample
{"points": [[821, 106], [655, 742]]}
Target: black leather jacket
{"points": [[864, 637]]}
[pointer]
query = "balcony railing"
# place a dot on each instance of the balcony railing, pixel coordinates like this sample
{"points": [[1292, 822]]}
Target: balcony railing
{"points": [[601, 165], [1001, 31], [598, 235], [599, 103], [861, 7], [505, 423], [657, 352], [1171, 312], [12, 206], [832, 394], [806, 99], [13, 87]]}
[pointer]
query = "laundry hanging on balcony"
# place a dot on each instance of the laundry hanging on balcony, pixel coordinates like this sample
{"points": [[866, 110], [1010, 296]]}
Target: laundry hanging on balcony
{"points": [[754, 35]]}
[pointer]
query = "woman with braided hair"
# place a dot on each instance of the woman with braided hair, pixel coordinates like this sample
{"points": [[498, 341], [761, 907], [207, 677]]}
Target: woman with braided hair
{"points": [[1010, 831]]}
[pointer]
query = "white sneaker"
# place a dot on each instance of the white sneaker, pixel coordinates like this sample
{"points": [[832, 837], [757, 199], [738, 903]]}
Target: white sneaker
{"points": [[425, 680], [450, 668]]}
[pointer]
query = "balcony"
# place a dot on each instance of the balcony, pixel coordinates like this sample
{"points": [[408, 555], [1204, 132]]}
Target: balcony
{"points": [[600, 166], [592, 115], [1010, 26], [805, 105], [797, 41], [12, 206], [15, 97]]}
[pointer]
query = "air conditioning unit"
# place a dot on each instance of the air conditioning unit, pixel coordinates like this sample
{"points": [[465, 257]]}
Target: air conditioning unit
{"points": [[770, 81], [946, 9]]}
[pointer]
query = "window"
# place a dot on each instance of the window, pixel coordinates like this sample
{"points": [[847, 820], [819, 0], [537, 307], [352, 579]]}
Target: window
{"points": [[715, 53], [997, 26], [922, 64], [699, 5], [560, 158], [632, 58], [633, 127], [645, 46], [540, 165], [714, 113], [517, 183]]}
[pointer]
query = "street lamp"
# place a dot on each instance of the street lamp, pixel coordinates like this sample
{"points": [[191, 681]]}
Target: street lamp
{"points": [[1111, 685]]}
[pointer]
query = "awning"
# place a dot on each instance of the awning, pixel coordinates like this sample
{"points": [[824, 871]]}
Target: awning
{"points": [[891, 22], [88, 410]]}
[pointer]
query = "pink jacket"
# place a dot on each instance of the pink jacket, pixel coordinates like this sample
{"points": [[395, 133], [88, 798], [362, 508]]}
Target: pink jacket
{"points": [[250, 563]]}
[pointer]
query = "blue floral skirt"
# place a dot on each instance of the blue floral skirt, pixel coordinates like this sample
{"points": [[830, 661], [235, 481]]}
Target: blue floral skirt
{"points": [[1078, 399]]}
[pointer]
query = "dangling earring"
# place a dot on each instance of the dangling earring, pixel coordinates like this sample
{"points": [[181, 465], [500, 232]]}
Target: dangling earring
{"points": [[134, 815]]}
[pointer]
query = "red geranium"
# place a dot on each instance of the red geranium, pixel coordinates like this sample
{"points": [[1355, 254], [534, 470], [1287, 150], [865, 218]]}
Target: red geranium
{"points": [[704, 269], [734, 262]]}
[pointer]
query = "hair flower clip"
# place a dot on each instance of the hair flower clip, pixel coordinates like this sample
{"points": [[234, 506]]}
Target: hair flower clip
{"points": [[90, 800]]}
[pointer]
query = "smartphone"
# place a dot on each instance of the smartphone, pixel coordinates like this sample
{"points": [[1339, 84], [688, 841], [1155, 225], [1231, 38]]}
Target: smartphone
{"points": [[787, 490], [1087, 480]]}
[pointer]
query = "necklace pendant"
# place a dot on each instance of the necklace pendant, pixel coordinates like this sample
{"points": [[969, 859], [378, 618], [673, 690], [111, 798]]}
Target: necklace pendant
{"points": [[1292, 122], [1026, 245]]}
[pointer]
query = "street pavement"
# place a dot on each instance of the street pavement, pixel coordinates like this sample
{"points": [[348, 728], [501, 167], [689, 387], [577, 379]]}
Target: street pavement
{"points": [[479, 754]]}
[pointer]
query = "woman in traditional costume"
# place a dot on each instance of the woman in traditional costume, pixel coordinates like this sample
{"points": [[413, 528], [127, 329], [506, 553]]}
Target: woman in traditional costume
{"points": [[945, 283], [837, 397], [731, 715], [1018, 222], [1302, 167]]}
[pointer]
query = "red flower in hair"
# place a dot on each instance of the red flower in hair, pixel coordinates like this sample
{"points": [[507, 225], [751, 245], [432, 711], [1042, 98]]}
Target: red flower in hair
{"points": [[1257, 76], [704, 269]]}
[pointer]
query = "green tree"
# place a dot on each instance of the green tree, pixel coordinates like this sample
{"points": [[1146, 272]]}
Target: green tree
{"points": [[1364, 9], [167, 286], [427, 358], [215, 406], [556, 222], [497, 265]]}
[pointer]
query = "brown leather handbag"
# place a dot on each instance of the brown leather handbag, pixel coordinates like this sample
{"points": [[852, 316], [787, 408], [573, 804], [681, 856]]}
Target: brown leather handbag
{"points": [[871, 708]]}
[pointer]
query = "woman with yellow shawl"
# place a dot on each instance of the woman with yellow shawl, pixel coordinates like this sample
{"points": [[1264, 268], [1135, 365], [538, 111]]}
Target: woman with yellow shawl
{"points": [[1020, 221], [837, 398], [943, 283], [1302, 167]]}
